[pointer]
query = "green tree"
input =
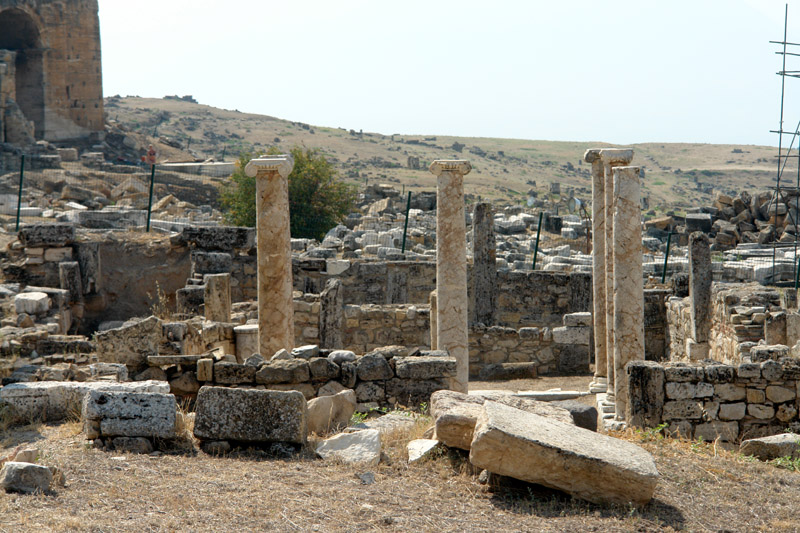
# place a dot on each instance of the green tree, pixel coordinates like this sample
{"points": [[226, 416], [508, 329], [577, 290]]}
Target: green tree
{"points": [[318, 200]]}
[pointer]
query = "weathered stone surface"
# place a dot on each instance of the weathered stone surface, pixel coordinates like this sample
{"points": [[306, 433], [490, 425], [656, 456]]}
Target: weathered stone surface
{"points": [[451, 266], [341, 356], [185, 384], [205, 369], [710, 431], [25, 477], [250, 415], [682, 409], [732, 411], [283, 371], [700, 286], [373, 367], [370, 391], [425, 367], [331, 317], [220, 238], [47, 235], [217, 297], [130, 344], [645, 393], [778, 394], [274, 246], [307, 352], [132, 444], [454, 414], [584, 416], [329, 413], [506, 371], [57, 400], [32, 303], [413, 392], [587, 465], [322, 369], [769, 448], [484, 269], [360, 448], [233, 373], [121, 414], [420, 449]]}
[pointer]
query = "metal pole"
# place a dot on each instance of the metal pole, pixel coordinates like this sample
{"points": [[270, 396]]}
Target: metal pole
{"points": [[19, 193], [538, 233], [150, 201], [666, 258], [797, 274], [405, 226]]}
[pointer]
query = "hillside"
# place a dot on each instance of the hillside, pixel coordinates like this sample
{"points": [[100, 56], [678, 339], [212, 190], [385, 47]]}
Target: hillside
{"points": [[678, 175]]}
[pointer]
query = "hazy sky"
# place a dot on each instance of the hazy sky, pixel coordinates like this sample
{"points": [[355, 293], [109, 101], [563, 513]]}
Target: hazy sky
{"points": [[582, 70]]}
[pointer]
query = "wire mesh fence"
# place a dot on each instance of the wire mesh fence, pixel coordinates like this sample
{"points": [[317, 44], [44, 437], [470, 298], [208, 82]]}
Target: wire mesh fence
{"points": [[95, 194]]}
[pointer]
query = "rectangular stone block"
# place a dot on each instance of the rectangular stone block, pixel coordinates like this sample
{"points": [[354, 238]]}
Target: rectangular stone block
{"points": [[572, 335], [250, 415], [710, 431], [233, 373], [425, 367], [126, 414], [682, 409], [587, 465], [732, 411]]}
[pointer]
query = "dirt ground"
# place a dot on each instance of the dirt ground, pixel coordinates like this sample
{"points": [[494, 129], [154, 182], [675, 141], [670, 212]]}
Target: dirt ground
{"points": [[703, 488]]}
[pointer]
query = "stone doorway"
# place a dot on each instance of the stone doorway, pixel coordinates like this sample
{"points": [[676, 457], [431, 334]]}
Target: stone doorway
{"points": [[20, 34]]}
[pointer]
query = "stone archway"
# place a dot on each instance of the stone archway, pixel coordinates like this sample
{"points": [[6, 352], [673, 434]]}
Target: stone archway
{"points": [[19, 33]]}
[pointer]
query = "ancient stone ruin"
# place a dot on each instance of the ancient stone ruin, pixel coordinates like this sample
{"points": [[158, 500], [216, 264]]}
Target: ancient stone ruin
{"points": [[50, 79]]}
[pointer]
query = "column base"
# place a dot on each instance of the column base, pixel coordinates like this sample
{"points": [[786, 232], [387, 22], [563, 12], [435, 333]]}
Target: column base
{"points": [[598, 385], [607, 416]]}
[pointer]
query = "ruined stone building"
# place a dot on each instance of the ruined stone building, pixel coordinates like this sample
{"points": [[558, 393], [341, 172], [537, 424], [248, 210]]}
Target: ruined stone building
{"points": [[50, 72]]}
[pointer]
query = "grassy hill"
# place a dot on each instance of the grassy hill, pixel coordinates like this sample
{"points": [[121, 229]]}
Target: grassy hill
{"points": [[678, 175]]}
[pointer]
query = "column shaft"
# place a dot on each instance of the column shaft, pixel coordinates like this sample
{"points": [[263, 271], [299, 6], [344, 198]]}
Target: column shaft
{"points": [[598, 272], [628, 281]]}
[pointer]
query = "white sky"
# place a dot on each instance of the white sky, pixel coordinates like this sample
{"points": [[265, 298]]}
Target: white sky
{"points": [[575, 70]]}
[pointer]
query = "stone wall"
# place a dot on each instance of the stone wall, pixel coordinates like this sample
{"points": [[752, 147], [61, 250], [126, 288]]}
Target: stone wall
{"points": [[710, 401], [58, 78]]}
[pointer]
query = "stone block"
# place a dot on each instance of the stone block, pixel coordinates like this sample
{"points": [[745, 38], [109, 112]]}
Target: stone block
{"points": [[573, 358], [322, 369], [645, 393], [506, 371], [26, 478], [221, 238], [373, 367], [756, 396], [425, 367], [578, 319], [768, 352], [710, 431], [771, 370], [414, 392], [371, 391], [704, 390], [773, 447], [732, 411], [205, 369], [47, 235], [682, 409], [349, 375], [250, 415], [778, 394], [719, 373], [749, 371], [455, 414], [57, 255], [359, 448], [283, 371], [130, 344], [682, 373], [762, 412], [681, 391], [728, 392], [329, 413], [233, 373], [572, 335], [123, 414], [584, 416], [587, 465]]}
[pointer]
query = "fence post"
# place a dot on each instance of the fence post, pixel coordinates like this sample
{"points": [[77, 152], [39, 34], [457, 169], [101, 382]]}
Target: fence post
{"points": [[150, 201], [666, 258], [797, 274], [538, 233], [19, 193], [405, 226]]}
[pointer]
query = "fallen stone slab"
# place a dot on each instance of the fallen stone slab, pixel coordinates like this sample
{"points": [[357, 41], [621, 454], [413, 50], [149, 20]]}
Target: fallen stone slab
{"points": [[390, 423], [250, 415], [126, 414], [552, 395], [587, 465], [455, 414], [51, 401], [769, 448], [360, 448], [27, 478], [328, 413], [419, 449], [584, 416]]}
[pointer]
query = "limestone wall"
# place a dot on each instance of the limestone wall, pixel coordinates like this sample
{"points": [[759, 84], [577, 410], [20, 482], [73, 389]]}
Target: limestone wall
{"points": [[732, 402]]}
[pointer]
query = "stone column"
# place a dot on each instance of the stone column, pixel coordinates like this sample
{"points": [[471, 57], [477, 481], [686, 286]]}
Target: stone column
{"points": [[600, 381], [432, 320], [451, 266], [217, 297], [331, 315], [700, 285], [484, 265], [275, 305], [611, 157], [628, 284]]}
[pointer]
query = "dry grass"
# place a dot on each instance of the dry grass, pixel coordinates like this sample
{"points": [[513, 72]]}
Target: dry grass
{"points": [[703, 488]]}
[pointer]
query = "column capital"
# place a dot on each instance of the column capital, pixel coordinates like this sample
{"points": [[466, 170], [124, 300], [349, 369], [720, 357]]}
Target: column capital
{"points": [[282, 164], [616, 156], [591, 155], [459, 166]]}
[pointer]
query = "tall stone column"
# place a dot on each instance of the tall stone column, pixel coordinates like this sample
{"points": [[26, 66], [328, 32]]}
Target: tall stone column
{"points": [[451, 266], [484, 265], [700, 285], [628, 284], [611, 157], [600, 381], [274, 247], [432, 321]]}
